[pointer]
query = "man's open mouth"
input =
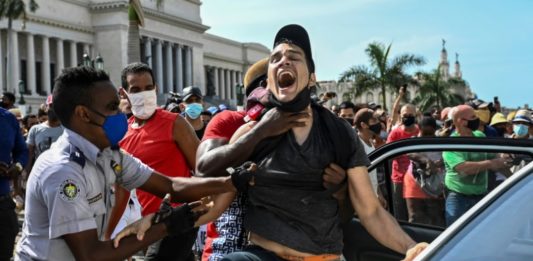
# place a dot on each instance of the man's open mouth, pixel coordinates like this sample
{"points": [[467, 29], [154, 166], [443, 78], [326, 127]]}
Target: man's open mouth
{"points": [[286, 79]]}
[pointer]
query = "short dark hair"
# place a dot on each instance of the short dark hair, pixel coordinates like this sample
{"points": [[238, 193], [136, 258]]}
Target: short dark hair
{"points": [[428, 121], [41, 112], [26, 118], [135, 68], [363, 115], [72, 88], [347, 105], [10, 96]]}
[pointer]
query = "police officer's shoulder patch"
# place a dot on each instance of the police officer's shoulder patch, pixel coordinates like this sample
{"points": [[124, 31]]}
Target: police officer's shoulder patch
{"points": [[69, 190]]}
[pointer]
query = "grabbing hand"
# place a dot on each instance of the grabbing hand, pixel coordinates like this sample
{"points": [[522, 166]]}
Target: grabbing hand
{"points": [[415, 251], [276, 122], [243, 176], [138, 228], [333, 175]]}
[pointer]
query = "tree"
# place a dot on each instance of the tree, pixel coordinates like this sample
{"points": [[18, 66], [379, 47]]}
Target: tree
{"points": [[435, 91], [383, 74], [13, 10], [136, 19]]}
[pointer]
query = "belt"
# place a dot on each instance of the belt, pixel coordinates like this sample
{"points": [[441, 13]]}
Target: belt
{"points": [[326, 257]]}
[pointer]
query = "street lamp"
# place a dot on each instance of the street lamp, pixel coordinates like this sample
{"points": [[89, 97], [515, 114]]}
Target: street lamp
{"points": [[239, 90], [97, 63], [22, 89]]}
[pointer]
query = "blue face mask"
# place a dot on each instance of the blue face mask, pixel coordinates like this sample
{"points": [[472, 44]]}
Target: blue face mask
{"points": [[521, 130], [115, 126], [193, 110]]}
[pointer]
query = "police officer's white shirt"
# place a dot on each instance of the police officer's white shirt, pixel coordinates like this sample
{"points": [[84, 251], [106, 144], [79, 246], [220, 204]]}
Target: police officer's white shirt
{"points": [[69, 191]]}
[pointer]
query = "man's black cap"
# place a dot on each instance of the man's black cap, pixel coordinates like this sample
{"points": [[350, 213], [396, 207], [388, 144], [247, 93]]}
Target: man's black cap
{"points": [[190, 91], [298, 36]]}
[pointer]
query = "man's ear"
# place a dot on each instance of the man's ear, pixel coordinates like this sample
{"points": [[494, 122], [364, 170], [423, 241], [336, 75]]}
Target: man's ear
{"points": [[182, 107], [123, 94], [81, 113], [312, 80]]}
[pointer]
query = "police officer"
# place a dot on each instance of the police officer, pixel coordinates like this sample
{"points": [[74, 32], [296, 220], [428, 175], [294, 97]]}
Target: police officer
{"points": [[69, 190]]}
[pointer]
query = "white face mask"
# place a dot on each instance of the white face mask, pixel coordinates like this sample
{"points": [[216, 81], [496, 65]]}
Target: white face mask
{"points": [[143, 104]]}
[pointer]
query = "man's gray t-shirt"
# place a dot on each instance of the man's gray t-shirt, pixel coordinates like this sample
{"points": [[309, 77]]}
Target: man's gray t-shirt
{"points": [[287, 204], [41, 136]]}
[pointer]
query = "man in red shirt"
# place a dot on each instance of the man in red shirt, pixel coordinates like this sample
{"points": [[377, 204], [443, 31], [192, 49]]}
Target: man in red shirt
{"points": [[407, 129], [165, 142]]}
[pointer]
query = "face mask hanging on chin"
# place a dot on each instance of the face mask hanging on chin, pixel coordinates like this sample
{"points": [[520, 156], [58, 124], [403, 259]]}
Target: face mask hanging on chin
{"points": [[298, 104]]}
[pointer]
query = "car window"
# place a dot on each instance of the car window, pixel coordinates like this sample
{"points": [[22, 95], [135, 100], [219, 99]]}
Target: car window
{"points": [[436, 187], [503, 231]]}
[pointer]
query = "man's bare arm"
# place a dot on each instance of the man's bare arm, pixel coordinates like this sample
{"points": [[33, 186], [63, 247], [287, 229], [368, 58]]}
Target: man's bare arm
{"points": [[186, 139], [213, 157], [474, 167], [377, 221], [85, 245], [186, 189]]}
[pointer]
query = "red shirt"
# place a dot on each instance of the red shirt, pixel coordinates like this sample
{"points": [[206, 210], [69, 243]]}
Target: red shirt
{"points": [[222, 126], [153, 143], [401, 163]]}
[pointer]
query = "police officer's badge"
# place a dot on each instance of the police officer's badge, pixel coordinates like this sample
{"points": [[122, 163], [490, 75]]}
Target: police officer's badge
{"points": [[68, 190]]}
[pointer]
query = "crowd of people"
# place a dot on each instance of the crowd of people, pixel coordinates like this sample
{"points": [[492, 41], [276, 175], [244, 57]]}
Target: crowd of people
{"points": [[106, 174]]}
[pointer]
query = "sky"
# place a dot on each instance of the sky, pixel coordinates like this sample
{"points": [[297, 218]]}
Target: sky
{"points": [[494, 39]]}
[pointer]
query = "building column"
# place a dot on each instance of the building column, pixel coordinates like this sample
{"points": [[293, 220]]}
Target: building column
{"points": [[45, 66], [239, 77], [215, 81], [30, 64], [179, 68], [73, 54], [188, 67], [222, 84], [227, 75], [13, 68], [159, 66], [233, 83], [60, 58], [148, 51], [168, 68]]}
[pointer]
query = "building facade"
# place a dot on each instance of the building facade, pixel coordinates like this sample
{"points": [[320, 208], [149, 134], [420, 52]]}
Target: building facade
{"points": [[173, 42]]}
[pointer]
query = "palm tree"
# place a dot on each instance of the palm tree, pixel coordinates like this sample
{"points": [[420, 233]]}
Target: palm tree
{"points": [[383, 73], [13, 10], [436, 91], [136, 19]]}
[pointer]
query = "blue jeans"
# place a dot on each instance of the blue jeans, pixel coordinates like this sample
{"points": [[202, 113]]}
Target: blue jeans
{"points": [[457, 204]]}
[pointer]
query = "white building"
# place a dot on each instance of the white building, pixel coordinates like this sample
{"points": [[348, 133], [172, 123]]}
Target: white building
{"points": [[173, 41], [342, 89]]}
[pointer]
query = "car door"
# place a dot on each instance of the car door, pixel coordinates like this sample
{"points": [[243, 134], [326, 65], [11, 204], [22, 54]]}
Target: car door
{"points": [[359, 245]]}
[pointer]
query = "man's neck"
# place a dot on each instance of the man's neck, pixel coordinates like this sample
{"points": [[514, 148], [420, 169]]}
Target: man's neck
{"points": [[140, 122], [409, 129], [366, 137], [301, 133], [465, 132], [53, 124], [197, 123]]}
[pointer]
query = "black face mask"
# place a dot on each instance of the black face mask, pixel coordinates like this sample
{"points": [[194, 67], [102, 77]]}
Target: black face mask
{"points": [[349, 120], [473, 124], [298, 104], [408, 121], [52, 116], [376, 128]]}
